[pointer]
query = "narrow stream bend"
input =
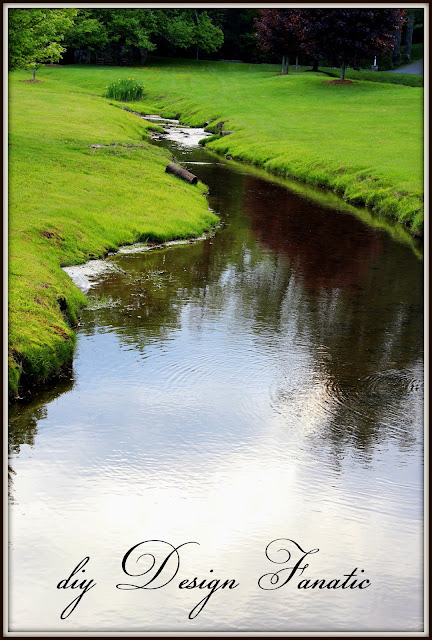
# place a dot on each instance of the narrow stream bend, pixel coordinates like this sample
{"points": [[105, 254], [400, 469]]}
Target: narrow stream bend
{"points": [[263, 383]]}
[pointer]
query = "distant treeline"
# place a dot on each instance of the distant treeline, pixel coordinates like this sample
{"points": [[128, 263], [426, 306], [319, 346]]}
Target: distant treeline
{"points": [[129, 35]]}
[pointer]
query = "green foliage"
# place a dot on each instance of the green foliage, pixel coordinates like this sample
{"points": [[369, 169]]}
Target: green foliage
{"points": [[125, 89], [87, 31], [35, 35], [129, 26], [140, 28], [238, 27], [177, 27], [385, 62], [207, 36], [417, 52]]}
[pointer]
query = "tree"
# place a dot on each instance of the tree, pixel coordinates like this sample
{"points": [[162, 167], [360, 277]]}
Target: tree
{"points": [[35, 36], [186, 28], [129, 27], [277, 32], [87, 31], [396, 55], [207, 36], [143, 29], [409, 34], [177, 27], [238, 27], [344, 36]]}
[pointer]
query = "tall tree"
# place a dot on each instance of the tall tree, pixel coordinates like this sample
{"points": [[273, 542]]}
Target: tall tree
{"points": [[142, 29], [345, 36], [35, 36], [207, 36], [185, 28], [277, 31], [86, 31], [129, 27], [409, 34], [238, 26]]}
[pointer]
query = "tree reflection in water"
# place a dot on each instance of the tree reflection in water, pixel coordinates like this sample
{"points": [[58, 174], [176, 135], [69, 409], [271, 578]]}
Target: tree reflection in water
{"points": [[337, 305]]}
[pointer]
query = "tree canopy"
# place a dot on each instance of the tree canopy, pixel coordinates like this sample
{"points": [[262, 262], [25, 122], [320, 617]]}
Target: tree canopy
{"points": [[343, 36], [277, 31], [347, 35], [97, 29], [35, 35]]}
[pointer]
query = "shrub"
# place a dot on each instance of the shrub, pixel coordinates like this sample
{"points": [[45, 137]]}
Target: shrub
{"points": [[127, 90]]}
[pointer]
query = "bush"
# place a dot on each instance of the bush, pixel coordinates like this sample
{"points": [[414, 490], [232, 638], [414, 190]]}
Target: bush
{"points": [[385, 62], [126, 90]]}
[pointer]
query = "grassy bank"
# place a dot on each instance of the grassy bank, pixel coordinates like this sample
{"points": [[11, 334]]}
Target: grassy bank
{"points": [[364, 140], [69, 202]]}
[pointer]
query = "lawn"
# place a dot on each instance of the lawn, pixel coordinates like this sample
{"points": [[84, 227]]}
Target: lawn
{"points": [[363, 140], [69, 202]]}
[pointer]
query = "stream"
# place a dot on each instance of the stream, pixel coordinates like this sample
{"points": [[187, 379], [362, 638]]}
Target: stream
{"points": [[259, 388]]}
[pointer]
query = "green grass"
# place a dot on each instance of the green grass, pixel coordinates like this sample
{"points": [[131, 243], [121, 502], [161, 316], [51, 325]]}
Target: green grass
{"points": [[364, 141], [383, 77], [69, 202]]}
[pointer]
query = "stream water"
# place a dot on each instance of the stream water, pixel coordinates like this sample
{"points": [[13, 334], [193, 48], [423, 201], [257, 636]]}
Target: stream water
{"points": [[262, 384]]}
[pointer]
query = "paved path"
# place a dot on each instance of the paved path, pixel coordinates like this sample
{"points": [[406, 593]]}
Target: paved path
{"points": [[414, 67]]}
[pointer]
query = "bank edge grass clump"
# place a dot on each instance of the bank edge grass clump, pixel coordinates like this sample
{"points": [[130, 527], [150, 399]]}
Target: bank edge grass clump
{"points": [[70, 202], [127, 90]]}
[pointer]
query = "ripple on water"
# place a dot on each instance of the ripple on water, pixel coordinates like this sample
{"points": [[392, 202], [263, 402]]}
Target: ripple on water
{"points": [[232, 416]]}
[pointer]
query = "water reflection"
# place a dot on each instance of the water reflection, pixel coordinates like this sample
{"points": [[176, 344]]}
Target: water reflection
{"points": [[261, 383]]}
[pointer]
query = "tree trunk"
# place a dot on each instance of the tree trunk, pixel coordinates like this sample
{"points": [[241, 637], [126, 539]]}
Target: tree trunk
{"points": [[197, 21], [408, 37], [342, 75], [315, 65], [397, 46], [283, 64], [34, 75], [287, 65], [296, 64]]}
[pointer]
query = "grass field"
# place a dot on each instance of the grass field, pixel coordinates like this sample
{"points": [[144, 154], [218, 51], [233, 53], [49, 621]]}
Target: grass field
{"points": [[363, 140], [69, 202], [383, 77]]}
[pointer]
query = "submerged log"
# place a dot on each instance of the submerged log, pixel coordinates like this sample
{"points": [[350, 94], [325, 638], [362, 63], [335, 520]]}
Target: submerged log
{"points": [[181, 173]]}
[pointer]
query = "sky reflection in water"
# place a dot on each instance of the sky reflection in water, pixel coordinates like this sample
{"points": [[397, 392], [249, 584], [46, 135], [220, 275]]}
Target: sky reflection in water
{"points": [[263, 383]]}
